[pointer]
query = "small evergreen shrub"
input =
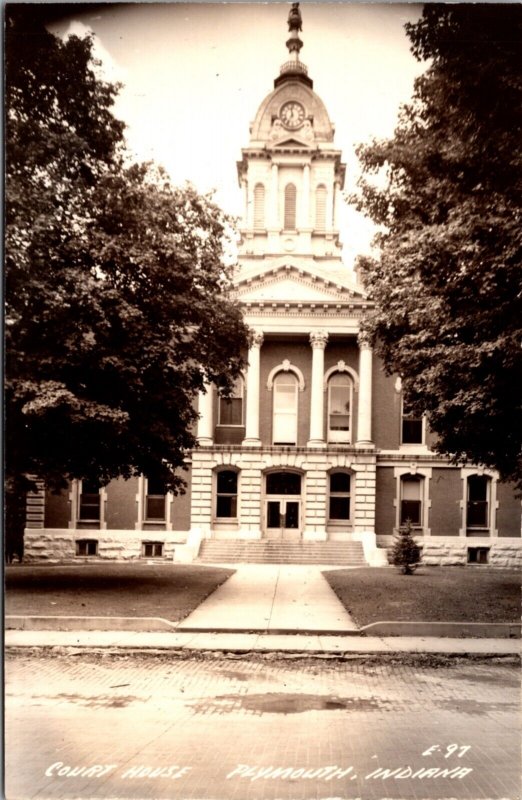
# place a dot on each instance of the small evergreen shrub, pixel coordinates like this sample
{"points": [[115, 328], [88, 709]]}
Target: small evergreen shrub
{"points": [[406, 552]]}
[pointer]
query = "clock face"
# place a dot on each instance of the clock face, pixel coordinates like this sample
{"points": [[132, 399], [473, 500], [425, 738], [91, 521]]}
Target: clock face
{"points": [[292, 114]]}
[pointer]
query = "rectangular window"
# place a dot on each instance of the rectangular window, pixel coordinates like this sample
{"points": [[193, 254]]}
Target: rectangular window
{"points": [[230, 409], [155, 499], [412, 426], [89, 507], [411, 503], [285, 409], [86, 547], [226, 494], [478, 555], [339, 505], [478, 505], [152, 549]]}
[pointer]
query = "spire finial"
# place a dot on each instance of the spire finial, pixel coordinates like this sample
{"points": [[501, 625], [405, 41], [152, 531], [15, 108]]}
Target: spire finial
{"points": [[295, 21], [295, 24], [294, 68]]}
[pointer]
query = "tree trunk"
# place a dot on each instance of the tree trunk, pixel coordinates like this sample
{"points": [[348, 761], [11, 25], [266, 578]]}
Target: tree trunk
{"points": [[14, 518]]}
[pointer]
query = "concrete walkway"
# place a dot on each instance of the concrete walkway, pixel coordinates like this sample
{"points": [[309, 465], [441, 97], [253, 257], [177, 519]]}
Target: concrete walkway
{"points": [[261, 643], [272, 598]]}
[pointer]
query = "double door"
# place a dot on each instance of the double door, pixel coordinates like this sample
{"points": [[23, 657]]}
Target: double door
{"points": [[283, 519], [283, 506]]}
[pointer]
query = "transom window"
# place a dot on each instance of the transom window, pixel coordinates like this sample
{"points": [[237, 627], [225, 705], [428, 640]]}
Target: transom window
{"points": [[283, 483], [89, 506], [411, 500], [339, 407], [155, 499], [226, 494], [478, 501], [231, 408], [285, 409], [412, 426], [339, 501], [290, 207]]}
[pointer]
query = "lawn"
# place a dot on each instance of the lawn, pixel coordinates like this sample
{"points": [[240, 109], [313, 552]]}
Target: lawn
{"points": [[434, 594], [170, 591]]}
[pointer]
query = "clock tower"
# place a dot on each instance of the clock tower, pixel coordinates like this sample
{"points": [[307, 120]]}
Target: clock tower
{"points": [[291, 173]]}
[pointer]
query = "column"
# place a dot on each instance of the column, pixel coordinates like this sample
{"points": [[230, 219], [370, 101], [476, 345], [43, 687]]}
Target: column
{"points": [[305, 204], [205, 432], [318, 340], [252, 392], [364, 417], [273, 218]]}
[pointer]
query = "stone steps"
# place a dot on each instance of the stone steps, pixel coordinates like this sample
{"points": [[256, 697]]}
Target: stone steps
{"points": [[225, 551]]}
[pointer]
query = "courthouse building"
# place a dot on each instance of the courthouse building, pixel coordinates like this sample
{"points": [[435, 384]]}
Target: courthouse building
{"points": [[316, 457]]}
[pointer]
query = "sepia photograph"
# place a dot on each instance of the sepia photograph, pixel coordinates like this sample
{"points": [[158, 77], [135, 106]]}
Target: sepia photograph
{"points": [[262, 401]]}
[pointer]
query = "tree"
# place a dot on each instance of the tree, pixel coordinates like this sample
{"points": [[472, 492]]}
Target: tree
{"points": [[117, 308], [446, 281], [406, 552]]}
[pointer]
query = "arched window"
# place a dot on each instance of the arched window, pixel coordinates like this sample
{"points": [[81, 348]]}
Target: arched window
{"points": [[290, 207], [320, 208], [285, 408], [230, 411], [477, 506], [226, 494], [339, 407], [411, 499], [339, 499], [259, 206]]}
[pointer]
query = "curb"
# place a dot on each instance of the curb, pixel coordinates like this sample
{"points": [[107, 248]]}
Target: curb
{"points": [[472, 630]]}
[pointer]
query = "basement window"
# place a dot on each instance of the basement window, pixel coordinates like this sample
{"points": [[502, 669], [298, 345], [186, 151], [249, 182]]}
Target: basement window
{"points": [[478, 555], [87, 547], [152, 549]]}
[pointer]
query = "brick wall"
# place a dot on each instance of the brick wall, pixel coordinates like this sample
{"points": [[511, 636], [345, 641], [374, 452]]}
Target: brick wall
{"points": [[446, 495], [57, 509], [385, 510], [509, 510]]}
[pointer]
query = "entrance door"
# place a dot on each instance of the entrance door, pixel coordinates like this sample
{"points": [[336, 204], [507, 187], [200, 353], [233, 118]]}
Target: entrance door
{"points": [[283, 506]]}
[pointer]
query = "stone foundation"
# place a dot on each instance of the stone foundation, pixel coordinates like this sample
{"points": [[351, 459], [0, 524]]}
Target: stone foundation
{"points": [[60, 544], [502, 553]]}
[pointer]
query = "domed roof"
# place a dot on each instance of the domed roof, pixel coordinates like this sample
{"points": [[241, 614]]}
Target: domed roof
{"points": [[312, 122], [292, 111]]}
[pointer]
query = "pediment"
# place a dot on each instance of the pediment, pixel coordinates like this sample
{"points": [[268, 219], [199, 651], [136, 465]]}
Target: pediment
{"points": [[290, 284], [291, 143]]}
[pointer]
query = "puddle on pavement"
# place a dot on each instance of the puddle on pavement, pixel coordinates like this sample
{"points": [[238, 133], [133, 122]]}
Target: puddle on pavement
{"points": [[90, 701], [286, 703], [476, 707], [511, 682]]}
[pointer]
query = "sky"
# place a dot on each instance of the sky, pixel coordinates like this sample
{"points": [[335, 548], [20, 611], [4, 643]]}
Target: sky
{"points": [[194, 74]]}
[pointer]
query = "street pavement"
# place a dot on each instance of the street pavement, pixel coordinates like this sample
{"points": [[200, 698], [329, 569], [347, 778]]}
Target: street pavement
{"points": [[85, 724]]}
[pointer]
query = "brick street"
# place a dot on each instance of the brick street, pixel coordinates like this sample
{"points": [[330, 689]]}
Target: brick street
{"points": [[163, 725]]}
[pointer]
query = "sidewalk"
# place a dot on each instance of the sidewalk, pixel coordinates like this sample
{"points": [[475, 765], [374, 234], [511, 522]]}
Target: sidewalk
{"points": [[261, 642], [261, 608], [272, 598]]}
